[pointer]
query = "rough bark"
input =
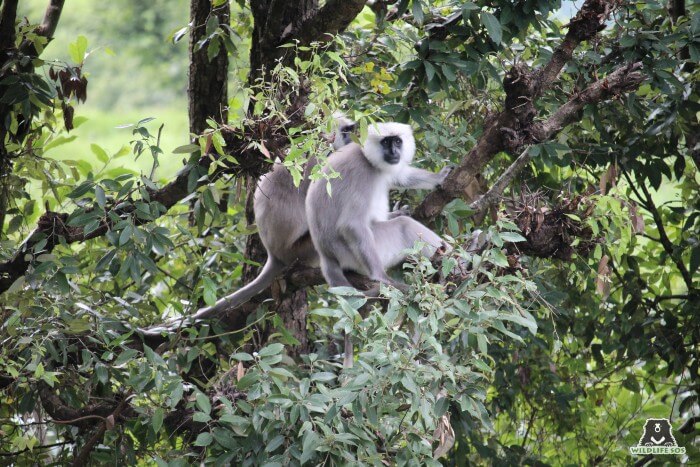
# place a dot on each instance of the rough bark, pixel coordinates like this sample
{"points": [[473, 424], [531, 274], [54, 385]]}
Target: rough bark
{"points": [[207, 91]]}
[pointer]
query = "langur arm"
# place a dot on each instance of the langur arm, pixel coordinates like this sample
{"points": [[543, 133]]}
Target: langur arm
{"points": [[413, 177]]}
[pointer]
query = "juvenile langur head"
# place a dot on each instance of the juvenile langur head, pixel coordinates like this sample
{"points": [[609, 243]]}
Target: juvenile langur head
{"points": [[389, 145], [343, 128]]}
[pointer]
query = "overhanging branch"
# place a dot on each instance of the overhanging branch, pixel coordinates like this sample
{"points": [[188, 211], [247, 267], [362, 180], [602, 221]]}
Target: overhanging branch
{"points": [[324, 22], [512, 128]]}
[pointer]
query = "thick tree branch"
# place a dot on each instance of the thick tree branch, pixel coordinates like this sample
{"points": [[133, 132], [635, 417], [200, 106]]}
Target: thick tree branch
{"points": [[47, 28], [325, 22], [207, 88], [8, 16], [584, 26], [233, 315], [621, 80], [511, 128], [82, 457], [62, 413]]}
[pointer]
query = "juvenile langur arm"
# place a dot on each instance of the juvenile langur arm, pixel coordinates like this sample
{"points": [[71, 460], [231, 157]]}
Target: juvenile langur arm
{"points": [[413, 177]]}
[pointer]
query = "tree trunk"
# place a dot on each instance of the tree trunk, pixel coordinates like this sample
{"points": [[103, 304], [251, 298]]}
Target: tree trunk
{"points": [[208, 80], [271, 19]]}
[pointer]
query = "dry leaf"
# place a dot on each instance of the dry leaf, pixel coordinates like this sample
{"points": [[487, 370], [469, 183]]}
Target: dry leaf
{"points": [[264, 150], [109, 422], [636, 218], [444, 435]]}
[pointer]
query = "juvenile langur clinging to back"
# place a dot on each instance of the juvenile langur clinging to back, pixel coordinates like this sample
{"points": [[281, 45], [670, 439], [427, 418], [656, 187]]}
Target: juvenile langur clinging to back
{"points": [[281, 219], [352, 228]]}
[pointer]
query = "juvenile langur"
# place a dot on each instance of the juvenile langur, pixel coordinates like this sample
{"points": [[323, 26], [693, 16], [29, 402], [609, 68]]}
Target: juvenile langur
{"points": [[281, 219], [352, 228]]}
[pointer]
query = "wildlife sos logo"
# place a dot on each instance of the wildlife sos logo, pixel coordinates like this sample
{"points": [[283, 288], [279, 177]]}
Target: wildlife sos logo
{"points": [[657, 439]]}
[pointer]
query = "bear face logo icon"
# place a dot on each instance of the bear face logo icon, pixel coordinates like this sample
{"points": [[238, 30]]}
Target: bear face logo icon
{"points": [[657, 432]]}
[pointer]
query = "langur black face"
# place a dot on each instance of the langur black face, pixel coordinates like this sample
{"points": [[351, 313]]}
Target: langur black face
{"points": [[346, 132], [391, 148]]}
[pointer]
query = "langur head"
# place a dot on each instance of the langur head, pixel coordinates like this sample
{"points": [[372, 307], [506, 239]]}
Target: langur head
{"points": [[389, 145], [343, 128]]}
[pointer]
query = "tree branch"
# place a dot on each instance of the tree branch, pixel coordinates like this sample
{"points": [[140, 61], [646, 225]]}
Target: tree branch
{"points": [[623, 79], [81, 458], [47, 28], [491, 197], [325, 22], [233, 315], [669, 247], [8, 16], [60, 412], [619, 81], [511, 128]]}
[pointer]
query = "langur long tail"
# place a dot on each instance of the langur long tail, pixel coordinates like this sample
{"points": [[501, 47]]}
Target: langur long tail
{"points": [[273, 268]]}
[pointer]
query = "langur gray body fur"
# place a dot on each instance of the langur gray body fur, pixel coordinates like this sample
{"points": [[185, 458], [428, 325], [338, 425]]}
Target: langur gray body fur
{"points": [[352, 228], [281, 219]]}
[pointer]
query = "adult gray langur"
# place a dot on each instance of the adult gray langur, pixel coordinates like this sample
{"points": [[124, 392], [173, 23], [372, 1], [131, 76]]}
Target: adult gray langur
{"points": [[352, 228], [281, 219]]}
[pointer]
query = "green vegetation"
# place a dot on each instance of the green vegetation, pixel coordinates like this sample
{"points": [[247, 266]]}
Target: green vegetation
{"points": [[546, 337]]}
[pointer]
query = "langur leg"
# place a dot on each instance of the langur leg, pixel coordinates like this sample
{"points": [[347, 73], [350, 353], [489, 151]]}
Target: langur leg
{"points": [[333, 273], [362, 243], [392, 237]]}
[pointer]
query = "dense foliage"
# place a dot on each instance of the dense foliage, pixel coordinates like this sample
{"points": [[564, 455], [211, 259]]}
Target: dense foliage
{"points": [[550, 343]]}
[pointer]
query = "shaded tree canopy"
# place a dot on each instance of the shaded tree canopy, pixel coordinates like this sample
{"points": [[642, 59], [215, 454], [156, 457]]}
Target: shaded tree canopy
{"points": [[564, 316]]}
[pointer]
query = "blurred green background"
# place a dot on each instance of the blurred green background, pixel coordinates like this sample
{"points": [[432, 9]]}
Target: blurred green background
{"points": [[134, 70]]}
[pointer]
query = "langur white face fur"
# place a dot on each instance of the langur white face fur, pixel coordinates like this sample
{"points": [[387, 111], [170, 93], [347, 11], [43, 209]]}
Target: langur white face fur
{"points": [[389, 146]]}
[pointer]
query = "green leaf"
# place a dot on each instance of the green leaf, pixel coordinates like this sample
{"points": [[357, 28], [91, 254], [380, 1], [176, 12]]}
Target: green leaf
{"points": [[242, 357], [512, 237], [186, 149], [209, 294], [417, 10], [203, 403], [311, 442], [157, 419], [126, 234], [78, 49], [82, 189], [274, 443], [100, 153], [100, 196], [498, 258], [272, 349], [493, 27], [204, 439]]}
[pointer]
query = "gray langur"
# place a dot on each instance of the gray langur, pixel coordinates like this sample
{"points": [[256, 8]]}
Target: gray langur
{"points": [[281, 219], [352, 228]]}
